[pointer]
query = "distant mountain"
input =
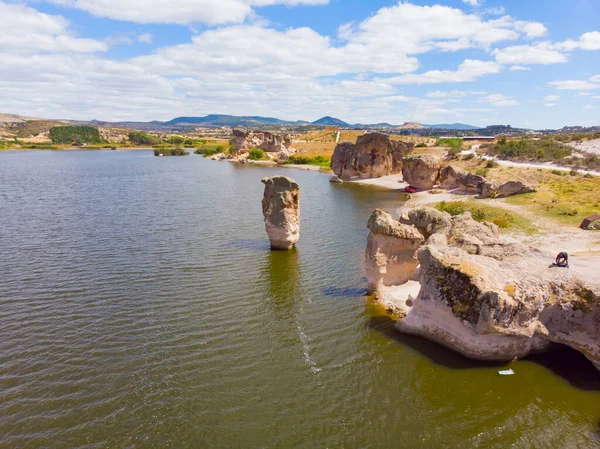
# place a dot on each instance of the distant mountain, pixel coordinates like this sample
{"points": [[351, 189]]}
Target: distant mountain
{"points": [[229, 120], [459, 126], [330, 121]]}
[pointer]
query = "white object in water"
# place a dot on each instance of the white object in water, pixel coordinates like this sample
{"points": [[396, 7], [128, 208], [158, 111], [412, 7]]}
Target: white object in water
{"points": [[507, 372]]}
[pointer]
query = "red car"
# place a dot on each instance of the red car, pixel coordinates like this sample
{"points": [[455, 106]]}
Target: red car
{"points": [[410, 189]]}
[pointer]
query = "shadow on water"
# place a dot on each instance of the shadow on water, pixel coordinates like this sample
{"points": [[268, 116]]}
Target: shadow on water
{"points": [[571, 365], [562, 360], [433, 351], [281, 273], [253, 245]]}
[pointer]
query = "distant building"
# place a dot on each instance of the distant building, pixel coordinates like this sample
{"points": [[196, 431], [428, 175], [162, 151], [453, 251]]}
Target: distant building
{"points": [[489, 138], [332, 129]]}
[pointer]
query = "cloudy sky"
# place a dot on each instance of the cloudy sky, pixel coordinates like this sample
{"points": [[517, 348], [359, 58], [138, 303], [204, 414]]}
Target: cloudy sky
{"points": [[525, 63]]}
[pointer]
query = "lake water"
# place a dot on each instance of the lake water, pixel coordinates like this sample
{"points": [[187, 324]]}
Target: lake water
{"points": [[141, 307]]}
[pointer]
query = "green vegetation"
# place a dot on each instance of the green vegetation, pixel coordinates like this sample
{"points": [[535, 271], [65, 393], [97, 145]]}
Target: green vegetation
{"points": [[142, 138], [421, 145], [256, 154], [481, 212], [177, 140], [170, 152], [210, 150], [320, 161], [449, 143], [78, 134], [544, 149]]}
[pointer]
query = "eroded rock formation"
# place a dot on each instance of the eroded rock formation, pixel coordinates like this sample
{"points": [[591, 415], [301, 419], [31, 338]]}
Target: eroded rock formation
{"points": [[421, 171], [244, 141], [476, 293], [453, 177], [281, 209], [374, 155]]}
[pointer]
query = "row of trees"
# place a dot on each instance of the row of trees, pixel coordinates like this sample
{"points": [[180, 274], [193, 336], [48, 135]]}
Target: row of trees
{"points": [[77, 134]]}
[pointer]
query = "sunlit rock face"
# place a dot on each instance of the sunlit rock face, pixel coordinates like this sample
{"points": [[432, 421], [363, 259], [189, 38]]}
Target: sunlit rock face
{"points": [[421, 171], [374, 155], [482, 296], [281, 209], [269, 142]]}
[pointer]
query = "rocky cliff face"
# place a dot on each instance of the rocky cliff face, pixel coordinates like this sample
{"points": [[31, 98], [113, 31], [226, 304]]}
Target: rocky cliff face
{"points": [[281, 209], [479, 295], [374, 155], [268, 142]]}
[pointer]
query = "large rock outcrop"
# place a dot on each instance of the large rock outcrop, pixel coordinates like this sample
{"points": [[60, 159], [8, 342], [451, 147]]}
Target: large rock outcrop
{"points": [[421, 171], [374, 155], [269, 142], [484, 297], [453, 177], [281, 209]]}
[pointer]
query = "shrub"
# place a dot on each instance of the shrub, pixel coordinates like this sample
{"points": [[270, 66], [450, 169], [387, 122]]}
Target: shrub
{"points": [[482, 172], [142, 138], [256, 154], [170, 152], [78, 134], [544, 149], [449, 142], [320, 161], [559, 173], [421, 145], [468, 157], [491, 164]]}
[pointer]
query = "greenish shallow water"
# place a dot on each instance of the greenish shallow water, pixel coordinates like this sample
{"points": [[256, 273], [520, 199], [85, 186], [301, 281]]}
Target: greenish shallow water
{"points": [[140, 306]]}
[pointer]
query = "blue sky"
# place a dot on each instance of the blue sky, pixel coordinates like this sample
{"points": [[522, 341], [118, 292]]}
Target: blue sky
{"points": [[525, 63]]}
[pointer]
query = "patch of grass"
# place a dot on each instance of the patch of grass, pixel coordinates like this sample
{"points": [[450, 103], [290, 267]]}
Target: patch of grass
{"points": [[481, 212], [256, 154], [320, 161], [449, 143], [170, 152], [209, 150]]}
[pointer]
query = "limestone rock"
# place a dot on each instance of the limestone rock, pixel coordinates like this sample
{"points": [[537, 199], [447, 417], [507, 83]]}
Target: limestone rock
{"points": [[391, 251], [471, 183], [335, 179], [513, 188], [343, 159], [281, 209], [450, 175], [480, 295], [421, 171], [488, 189], [269, 142], [374, 155]]}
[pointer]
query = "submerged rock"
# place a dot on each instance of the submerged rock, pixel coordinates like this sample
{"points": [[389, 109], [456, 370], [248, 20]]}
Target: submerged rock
{"points": [[281, 209], [421, 171], [374, 155], [481, 296], [335, 179]]}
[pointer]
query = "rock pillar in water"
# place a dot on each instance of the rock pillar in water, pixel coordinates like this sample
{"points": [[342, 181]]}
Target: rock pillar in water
{"points": [[281, 209]]}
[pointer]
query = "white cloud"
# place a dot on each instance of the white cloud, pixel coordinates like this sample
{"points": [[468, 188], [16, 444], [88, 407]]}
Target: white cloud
{"points": [[583, 94], [588, 41], [469, 70], [413, 29], [589, 107], [552, 98], [495, 10], [541, 53], [212, 12], [593, 83], [145, 38], [500, 100], [25, 30], [549, 105], [472, 2], [596, 97], [517, 68]]}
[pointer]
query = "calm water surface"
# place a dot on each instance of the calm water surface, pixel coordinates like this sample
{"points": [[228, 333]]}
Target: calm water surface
{"points": [[140, 307]]}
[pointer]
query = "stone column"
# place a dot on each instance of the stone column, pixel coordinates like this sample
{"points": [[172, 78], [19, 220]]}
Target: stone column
{"points": [[281, 209]]}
